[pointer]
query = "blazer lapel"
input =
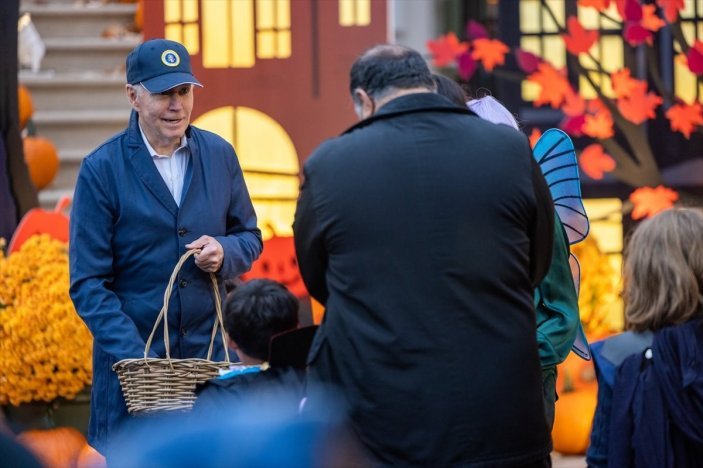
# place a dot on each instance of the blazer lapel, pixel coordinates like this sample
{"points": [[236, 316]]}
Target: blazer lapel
{"points": [[191, 183]]}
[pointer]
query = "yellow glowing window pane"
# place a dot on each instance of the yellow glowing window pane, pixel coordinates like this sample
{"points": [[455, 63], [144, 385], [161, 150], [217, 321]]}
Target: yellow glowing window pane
{"points": [[700, 5], [531, 44], [172, 11], [363, 12], [190, 11], [265, 14], [611, 53], [283, 48], [529, 16], [700, 31], [530, 90], [684, 82], [283, 14], [216, 35], [588, 17], [555, 50], [346, 12], [688, 32], [173, 32], [265, 44], [242, 23], [585, 88], [557, 7], [191, 38], [612, 11], [688, 9]]}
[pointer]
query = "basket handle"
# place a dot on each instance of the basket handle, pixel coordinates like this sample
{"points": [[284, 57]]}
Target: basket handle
{"points": [[163, 313]]}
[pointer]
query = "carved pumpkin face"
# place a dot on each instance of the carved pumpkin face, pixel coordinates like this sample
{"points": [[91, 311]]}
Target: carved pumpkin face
{"points": [[279, 263]]}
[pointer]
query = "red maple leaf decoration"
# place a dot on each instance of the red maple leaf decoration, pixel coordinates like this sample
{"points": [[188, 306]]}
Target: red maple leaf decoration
{"points": [[624, 85], [527, 61], [671, 8], [685, 117], [490, 52], [600, 5], [649, 201], [445, 49], [694, 58], [629, 10], [466, 66], [574, 105], [578, 40], [594, 162], [534, 136], [650, 20], [598, 125], [573, 125], [639, 106], [553, 85], [636, 34]]}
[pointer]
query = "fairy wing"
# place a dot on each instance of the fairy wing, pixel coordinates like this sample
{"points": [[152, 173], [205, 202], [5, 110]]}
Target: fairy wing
{"points": [[580, 346], [556, 157]]}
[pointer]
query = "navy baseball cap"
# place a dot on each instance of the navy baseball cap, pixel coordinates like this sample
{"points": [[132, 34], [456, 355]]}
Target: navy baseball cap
{"points": [[160, 65]]}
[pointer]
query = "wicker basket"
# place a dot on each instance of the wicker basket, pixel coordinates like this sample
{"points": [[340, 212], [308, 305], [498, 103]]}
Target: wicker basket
{"points": [[165, 384]]}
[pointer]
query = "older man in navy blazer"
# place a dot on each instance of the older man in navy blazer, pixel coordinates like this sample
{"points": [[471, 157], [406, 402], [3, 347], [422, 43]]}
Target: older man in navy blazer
{"points": [[424, 230], [142, 199]]}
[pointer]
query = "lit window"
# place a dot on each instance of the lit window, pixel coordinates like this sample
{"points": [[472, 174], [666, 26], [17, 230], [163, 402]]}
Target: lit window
{"points": [[273, 39], [354, 12], [687, 86], [181, 19], [606, 55]]}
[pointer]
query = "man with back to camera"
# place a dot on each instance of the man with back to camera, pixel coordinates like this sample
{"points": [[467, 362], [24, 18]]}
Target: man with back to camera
{"points": [[142, 199], [424, 230]]}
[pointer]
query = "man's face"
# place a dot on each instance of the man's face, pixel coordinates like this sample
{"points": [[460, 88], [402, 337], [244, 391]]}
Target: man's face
{"points": [[165, 116]]}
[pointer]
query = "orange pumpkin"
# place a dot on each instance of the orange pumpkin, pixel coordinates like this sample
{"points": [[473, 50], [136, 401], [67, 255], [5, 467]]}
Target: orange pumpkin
{"points": [[42, 160], [573, 418], [90, 458], [58, 447], [26, 108], [574, 374], [279, 263]]}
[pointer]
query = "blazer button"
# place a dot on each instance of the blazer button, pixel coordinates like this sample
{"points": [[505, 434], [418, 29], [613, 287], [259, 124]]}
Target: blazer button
{"points": [[182, 231], [183, 283]]}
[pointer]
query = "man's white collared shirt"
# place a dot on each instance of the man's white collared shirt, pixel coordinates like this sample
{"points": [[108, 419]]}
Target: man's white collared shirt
{"points": [[172, 168]]}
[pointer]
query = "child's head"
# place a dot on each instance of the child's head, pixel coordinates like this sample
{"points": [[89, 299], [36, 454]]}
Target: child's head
{"points": [[256, 311], [488, 108], [663, 270], [450, 89]]}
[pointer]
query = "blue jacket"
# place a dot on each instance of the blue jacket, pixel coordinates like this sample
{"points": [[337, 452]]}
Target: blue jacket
{"points": [[126, 235]]}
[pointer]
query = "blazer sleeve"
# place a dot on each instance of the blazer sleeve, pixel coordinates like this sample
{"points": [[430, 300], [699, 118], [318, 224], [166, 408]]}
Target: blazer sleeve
{"points": [[242, 242], [309, 244], [91, 271], [542, 229], [557, 304]]}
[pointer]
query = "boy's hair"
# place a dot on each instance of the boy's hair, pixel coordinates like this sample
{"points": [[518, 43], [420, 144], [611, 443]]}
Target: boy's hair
{"points": [[450, 89], [663, 270], [256, 311], [489, 108]]}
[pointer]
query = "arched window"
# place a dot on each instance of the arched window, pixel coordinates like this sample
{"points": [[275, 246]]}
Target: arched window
{"points": [[268, 159]]}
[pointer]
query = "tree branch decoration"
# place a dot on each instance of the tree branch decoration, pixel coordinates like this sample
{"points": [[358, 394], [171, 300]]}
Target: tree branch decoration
{"points": [[613, 120]]}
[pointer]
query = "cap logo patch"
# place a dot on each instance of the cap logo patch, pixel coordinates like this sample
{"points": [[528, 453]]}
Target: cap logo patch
{"points": [[170, 58]]}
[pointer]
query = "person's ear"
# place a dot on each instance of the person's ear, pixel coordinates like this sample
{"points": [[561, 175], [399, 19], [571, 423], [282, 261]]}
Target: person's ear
{"points": [[131, 93], [363, 104], [231, 344]]}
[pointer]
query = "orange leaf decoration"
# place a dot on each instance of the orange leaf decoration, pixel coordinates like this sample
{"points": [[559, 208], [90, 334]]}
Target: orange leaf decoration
{"points": [[534, 136], [685, 117], [574, 105], [578, 40], [639, 106], [600, 5], [446, 49], [553, 83], [650, 20], [599, 126], [594, 161], [649, 201], [671, 8], [490, 52], [624, 86]]}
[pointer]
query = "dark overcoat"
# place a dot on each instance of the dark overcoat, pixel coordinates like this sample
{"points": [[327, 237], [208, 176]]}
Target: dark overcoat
{"points": [[424, 230], [127, 234]]}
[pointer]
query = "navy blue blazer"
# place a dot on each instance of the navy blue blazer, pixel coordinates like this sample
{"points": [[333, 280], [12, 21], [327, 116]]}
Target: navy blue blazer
{"points": [[126, 235]]}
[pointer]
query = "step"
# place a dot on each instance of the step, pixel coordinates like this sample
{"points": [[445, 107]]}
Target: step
{"points": [[96, 54], [78, 20], [76, 90], [79, 128]]}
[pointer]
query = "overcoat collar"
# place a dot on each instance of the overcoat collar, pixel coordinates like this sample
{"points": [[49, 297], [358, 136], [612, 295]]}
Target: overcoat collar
{"points": [[146, 170], [412, 103]]}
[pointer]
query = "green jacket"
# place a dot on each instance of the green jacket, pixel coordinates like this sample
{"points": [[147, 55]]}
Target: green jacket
{"points": [[556, 304]]}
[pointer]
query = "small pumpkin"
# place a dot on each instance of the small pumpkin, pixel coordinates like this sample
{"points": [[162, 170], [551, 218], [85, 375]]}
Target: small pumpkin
{"points": [[25, 105], [57, 447], [42, 160], [573, 418], [279, 263], [90, 458]]}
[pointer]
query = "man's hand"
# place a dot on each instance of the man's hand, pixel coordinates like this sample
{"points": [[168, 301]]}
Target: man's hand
{"points": [[211, 254]]}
